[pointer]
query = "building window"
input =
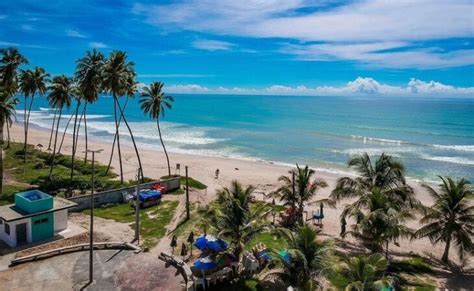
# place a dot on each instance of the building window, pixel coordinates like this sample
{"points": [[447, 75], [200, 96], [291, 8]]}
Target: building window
{"points": [[7, 228], [42, 220]]}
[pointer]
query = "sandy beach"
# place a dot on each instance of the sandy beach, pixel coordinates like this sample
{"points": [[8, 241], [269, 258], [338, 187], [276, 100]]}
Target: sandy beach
{"points": [[262, 175]]}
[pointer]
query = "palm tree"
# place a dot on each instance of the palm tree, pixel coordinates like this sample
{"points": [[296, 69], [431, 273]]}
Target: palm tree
{"points": [[451, 217], [7, 112], [88, 76], [31, 82], [78, 99], [9, 63], [59, 97], [361, 273], [307, 257], [231, 218], [118, 77], [379, 220], [386, 174], [153, 102], [299, 188]]}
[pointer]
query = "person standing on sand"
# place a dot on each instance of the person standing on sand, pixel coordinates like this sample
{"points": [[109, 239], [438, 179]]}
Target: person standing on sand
{"points": [[217, 173]]}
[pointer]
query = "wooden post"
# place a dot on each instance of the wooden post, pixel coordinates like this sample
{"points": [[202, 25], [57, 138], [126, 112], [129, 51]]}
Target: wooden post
{"points": [[137, 211], [188, 215]]}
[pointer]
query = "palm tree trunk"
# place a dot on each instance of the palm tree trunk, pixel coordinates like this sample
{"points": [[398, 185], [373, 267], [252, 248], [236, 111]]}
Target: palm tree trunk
{"points": [[24, 131], [64, 133], [27, 124], [445, 258], [55, 143], [85, 130], [115, 140], [163, 144], [133, 141], [386, 249], [118, 138], [8, 136], [52, 130], [2, 124], [74, 139]]}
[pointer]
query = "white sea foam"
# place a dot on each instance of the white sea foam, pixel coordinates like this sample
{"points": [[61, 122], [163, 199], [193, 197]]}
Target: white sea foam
{"points": [[453, 160], [462, 148], [367, 139]]}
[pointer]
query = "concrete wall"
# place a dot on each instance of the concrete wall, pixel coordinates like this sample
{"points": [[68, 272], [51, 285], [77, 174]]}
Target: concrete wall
{"points": [[60, 220], [11, 239], [117, 195]]}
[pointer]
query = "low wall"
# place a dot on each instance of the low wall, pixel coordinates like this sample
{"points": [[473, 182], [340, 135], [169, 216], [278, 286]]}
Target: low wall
{"points": [[117, 195]]}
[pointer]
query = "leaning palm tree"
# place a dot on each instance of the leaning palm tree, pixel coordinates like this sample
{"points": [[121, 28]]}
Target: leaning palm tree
{"points": [[118, 78], [299, 188], [7, 112], [307, 258], [59, 97], [451, 217], [153, 102], [10, 61], [361, 273], [88, 76], [31, 82]]}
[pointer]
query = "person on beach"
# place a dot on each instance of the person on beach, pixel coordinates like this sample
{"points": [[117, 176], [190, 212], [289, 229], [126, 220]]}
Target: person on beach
{"points": [[217, 173]]}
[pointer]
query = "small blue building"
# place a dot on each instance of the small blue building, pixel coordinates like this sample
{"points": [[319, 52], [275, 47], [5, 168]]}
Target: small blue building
{"points": [[34, 217]]}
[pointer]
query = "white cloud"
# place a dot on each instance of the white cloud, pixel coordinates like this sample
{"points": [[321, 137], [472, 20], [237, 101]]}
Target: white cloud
{"points": [[99, 45], [212, 45], [74, 33], [173, 76], [358, 87]]}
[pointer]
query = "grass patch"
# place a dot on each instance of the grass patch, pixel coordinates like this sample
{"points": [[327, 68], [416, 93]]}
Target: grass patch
{"points": [[413, 265], [271, 240], [34, 173], [153, 220], [193, 183]]}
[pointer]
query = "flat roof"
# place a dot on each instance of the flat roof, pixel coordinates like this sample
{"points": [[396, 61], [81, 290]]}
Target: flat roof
{"points": [[11, 213]]}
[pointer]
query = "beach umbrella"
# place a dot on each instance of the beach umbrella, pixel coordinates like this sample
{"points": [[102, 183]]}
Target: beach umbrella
{"points": [[204, 264], [210, 242], [174, 243], [184, 250]]}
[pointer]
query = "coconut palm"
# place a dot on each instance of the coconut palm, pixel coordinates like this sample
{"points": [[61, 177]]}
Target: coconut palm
{"points": [[386, 174], [118, 78], [307, 257], [78, 98], [378, 220], [31, 82], [7, 112], [9, 64], [88, 76], [61, 90], [153, 102], [299, 188], [358, 273], [451, 217], [232, 219]]}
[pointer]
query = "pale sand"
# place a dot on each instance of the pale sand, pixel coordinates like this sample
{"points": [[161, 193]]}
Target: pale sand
{"points": [[262, 175]]}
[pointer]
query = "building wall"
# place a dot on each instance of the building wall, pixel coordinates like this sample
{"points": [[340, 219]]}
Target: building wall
{"points": [[42, 226], [60, 220], [11, 239]]}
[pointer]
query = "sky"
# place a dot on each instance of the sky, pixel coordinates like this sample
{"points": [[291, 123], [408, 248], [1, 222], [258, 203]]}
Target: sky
{"points": [[307, 47]]}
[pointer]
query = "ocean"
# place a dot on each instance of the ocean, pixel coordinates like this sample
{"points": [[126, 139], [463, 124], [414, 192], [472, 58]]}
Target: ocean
{"points": [[431, 136]]}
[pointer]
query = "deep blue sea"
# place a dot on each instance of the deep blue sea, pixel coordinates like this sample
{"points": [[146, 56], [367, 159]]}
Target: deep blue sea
{"points": [[431, 136]]}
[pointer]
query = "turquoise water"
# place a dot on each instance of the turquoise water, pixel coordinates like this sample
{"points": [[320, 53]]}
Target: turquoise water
{"points": [[431, 136]]}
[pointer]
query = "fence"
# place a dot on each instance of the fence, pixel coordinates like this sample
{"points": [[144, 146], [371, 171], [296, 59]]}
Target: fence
{"points": [[117, 195]]}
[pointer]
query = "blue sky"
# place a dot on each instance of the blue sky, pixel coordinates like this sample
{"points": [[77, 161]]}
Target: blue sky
{"points": [[228, 46]]}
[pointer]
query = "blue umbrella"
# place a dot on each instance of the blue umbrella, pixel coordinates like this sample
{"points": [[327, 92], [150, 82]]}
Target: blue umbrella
{"points": [[210, 242], [205, 264]]}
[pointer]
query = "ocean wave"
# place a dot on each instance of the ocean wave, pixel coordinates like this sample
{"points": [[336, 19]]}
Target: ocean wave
{"points": [[367, 139], [462, 148], [452, 160], [45, 109]]}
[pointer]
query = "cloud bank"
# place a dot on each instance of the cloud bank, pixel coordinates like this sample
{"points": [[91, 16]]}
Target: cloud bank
{"points": [[358, 87]]}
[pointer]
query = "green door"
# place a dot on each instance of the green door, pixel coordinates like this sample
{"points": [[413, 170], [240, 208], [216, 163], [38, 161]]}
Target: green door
{"points": [[42, 227]]}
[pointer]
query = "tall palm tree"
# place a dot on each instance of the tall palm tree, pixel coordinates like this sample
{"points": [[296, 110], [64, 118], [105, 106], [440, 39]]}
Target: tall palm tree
{"points": [[358, 273], [299, 188], [118, 78], [154, 102], [59, 97], [451, 217], [379, 220], [7, 112], [234, 220], [88, 75], [78, 99], [307, 257], [386, 174], [9, 63], [31, 82]]}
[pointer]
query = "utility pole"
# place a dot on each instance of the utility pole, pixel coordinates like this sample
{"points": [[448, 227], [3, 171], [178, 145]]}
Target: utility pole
{"points": [[188, 216], [137, 211], [91, 230]]}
